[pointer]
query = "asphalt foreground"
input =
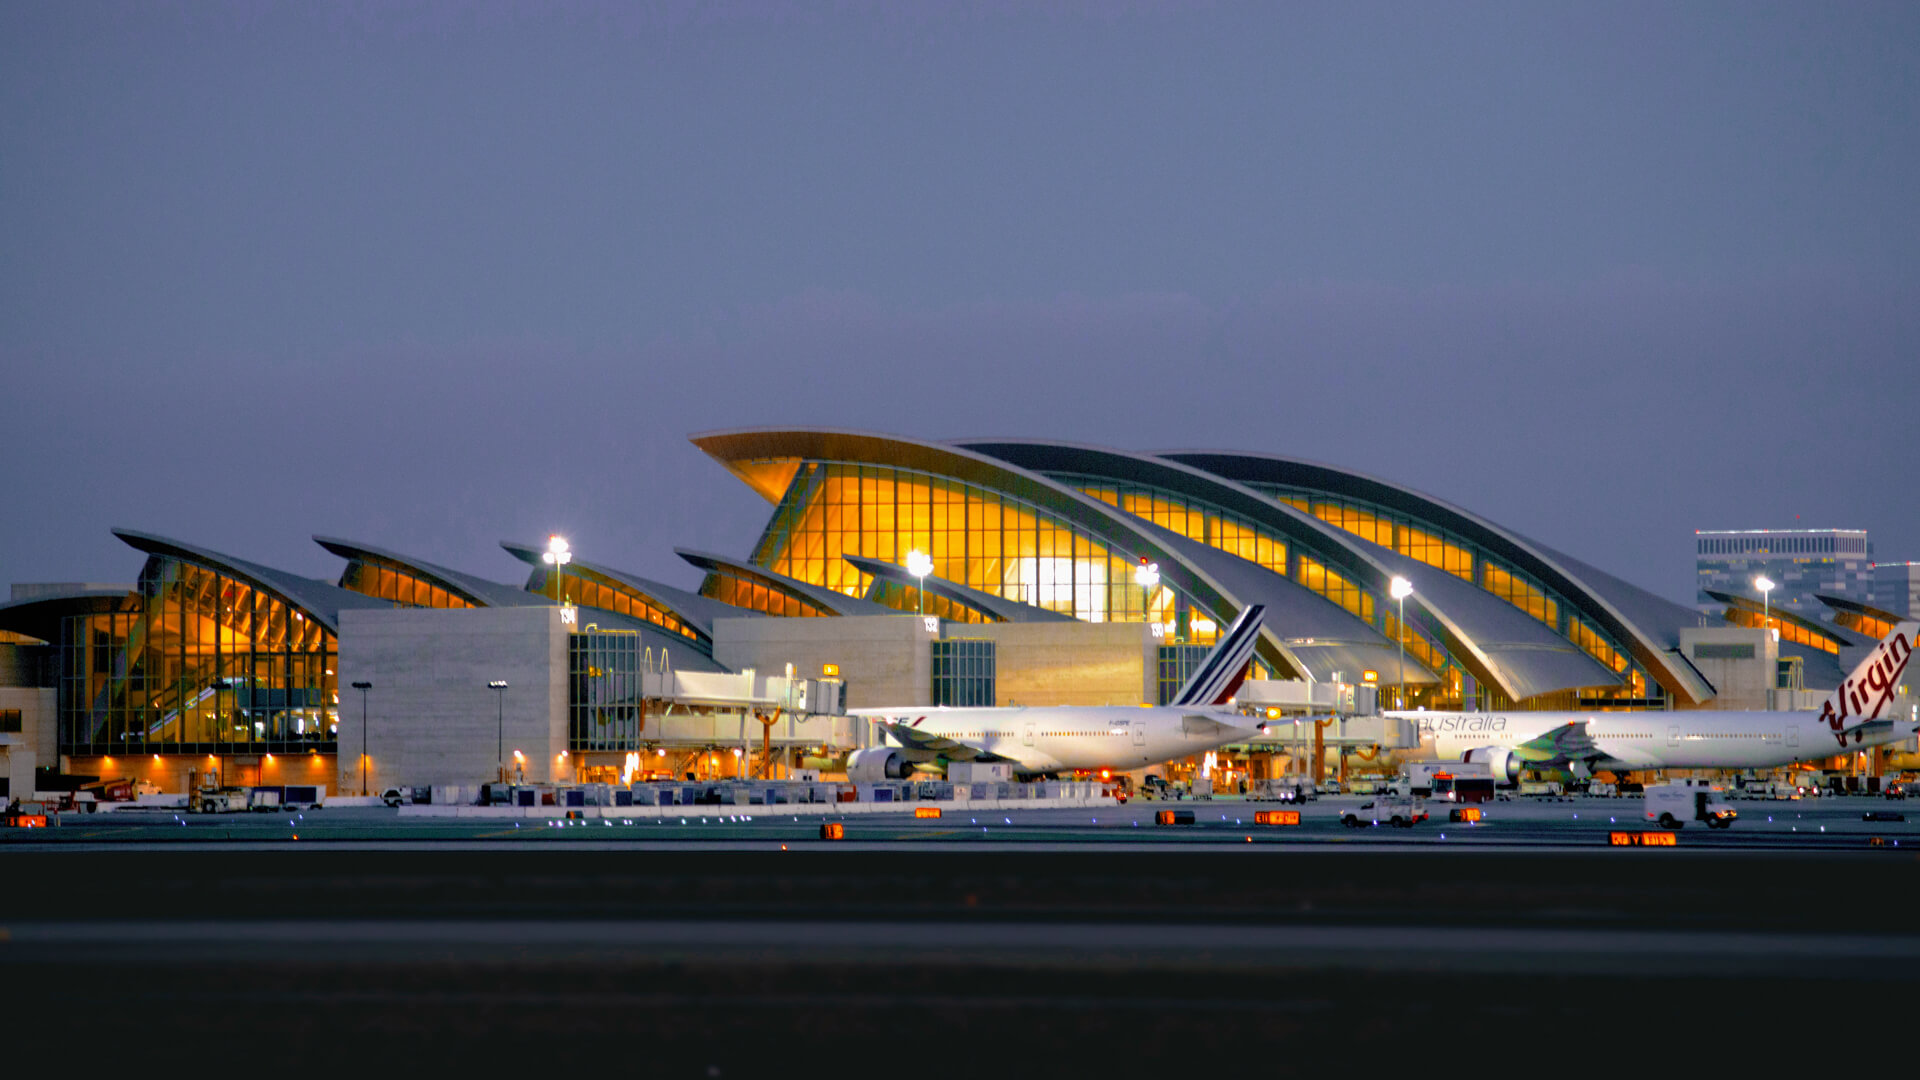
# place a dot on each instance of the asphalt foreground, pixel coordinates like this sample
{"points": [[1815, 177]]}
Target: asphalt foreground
{"points": [[948, 962]]}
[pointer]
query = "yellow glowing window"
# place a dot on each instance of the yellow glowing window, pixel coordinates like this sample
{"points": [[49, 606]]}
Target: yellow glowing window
{"points": [[1520, 594]]}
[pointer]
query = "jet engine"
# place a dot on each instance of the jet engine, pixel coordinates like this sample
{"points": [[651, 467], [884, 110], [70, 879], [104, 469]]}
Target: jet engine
{"points": [[877, 765], [1499, 760]]}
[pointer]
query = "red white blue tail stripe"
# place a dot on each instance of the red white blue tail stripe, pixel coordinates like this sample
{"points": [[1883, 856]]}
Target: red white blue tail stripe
{"points": [[1219, 676]]}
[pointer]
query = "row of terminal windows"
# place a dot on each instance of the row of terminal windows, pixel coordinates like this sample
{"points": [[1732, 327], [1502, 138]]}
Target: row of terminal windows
{"points": [[388, 583], [590, 590], [754, 596], [1789, 631], [963, 673], [975, 537], [1454, 557], [1784, 545]]}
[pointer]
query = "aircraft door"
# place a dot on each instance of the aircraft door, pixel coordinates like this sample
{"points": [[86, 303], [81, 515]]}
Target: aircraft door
{"points": [[1673, 735], [1026, 733], [1793, 734], [1139, 733]]}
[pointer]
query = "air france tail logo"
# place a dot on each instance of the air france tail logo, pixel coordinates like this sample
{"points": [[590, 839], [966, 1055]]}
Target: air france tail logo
{"points": [[1867, 697]]}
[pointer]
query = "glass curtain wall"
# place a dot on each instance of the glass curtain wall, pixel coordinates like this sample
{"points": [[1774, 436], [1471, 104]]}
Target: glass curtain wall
{"points": [[1236, 535], [204, 663], [977, 537], [387, 581], [590, 589], [1468, 562], [963, 673], [603, 690], [1789, 630], [757, 596], [905, 597]]}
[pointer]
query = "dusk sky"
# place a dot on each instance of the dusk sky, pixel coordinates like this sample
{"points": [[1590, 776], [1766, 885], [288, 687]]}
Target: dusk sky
{"points": [[430, 276]]}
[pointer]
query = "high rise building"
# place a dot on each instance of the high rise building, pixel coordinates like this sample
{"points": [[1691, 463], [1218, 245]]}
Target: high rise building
{"points": [[1896, 587], [1800, 563]]}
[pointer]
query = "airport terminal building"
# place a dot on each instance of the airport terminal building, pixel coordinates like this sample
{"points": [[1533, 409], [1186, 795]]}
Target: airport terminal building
{"points": [[401, 671]]}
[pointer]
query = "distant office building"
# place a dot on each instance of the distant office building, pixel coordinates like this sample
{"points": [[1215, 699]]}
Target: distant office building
{"points": [[1896, 587], [1800, 563]]}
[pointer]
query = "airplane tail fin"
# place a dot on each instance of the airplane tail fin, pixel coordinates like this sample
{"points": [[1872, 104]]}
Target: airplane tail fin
{"points": [[1866, 694], [1219, 676]]}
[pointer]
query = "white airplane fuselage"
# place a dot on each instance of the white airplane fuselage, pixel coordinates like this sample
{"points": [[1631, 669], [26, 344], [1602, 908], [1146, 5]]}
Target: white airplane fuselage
{"points": [[1066, 738], [1662, 740]]}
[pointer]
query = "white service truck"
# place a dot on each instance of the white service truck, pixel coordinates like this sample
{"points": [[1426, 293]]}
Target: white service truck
{"points": [[1677, 802]]}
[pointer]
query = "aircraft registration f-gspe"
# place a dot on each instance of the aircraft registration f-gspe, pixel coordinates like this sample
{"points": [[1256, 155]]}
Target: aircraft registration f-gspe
{"points": [[1046, 740]]}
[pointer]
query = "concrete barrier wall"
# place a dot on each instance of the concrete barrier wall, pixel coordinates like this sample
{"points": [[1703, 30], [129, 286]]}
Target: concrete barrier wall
{"points": [[846, 809]]}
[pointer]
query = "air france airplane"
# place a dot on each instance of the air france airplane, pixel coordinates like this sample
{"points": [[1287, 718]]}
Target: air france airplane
{"points": [[1854, 717], [1042, 740]]}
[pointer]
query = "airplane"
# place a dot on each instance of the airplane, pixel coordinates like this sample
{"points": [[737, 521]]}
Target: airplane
{"points": [[1853, 717], [1045, 740]]}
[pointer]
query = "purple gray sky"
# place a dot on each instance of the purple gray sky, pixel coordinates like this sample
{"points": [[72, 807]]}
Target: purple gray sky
{"points": [[433, 275]]}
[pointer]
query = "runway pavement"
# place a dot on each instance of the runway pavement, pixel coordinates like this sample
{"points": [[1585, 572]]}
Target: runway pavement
{"points": [[1041, 941], [1830, 824]]}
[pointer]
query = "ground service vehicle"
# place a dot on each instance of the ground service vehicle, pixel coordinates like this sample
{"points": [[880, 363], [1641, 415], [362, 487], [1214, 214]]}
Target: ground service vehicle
{"points": [[226, 800], [1676, 803], [1448, 781], [1398, 811], [1281, 789]]}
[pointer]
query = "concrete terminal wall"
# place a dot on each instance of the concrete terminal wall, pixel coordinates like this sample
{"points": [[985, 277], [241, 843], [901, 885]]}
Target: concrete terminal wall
{"points": [[884, 659], [430, 717], [35, 744], [1062, 663]]}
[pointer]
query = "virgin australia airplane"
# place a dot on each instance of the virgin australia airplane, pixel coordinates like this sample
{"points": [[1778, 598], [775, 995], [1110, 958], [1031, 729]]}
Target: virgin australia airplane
{"points": [[1040, 740], [1855, 716]]}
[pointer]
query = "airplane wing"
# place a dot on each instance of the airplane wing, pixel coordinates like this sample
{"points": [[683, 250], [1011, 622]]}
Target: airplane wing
{"points": [[1859, 732], [1567, 743], [922, 742]]}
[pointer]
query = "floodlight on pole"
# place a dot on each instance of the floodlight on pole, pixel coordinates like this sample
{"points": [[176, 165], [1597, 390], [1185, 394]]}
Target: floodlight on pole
{"points": [[919, 565], [1766, 587], [558, 555], [363, 687], [1147, 576], [1401, 588], [499, 688]]}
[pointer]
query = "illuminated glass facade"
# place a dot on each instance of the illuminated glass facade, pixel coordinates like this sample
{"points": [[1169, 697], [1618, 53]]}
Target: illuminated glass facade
{"points": [[977, 537], [1443, 550], [731, 588], [963, 674], [1232, 533], [1790, 630], [199, 662], [603, 690], [370, 576], [591, 589], [904, 597], [1174, 665]]}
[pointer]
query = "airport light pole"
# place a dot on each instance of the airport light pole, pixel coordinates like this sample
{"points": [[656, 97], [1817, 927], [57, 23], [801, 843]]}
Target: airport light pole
{"points": [[499, 688], [1401, 588], [558, 555], [1147, 576], [919, 565], [1766, 587], [363, 687]]}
